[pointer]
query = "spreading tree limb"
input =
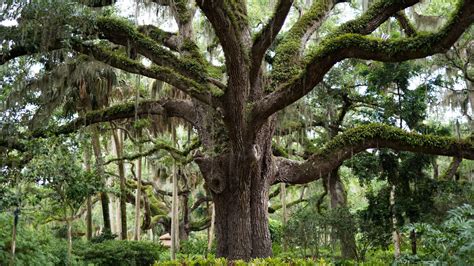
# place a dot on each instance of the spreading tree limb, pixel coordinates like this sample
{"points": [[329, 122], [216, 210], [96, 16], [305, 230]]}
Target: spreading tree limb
{"points": [[358, 139], [359, 46], [267, 35]]}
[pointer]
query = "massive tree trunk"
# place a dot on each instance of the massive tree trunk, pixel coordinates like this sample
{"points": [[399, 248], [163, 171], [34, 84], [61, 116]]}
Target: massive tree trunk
{"points": [[239, 182]]}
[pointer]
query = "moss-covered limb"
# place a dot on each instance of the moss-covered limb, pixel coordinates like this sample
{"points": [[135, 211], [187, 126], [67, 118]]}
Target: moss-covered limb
{"points": [[289, 127], [231, 27], [378, 13], [405, 24], [183, 14], [275, 208], [287, 61], [168, 107], [358, 139], [122, 32], [202, 92], [200, 225], [151, 188], [264, 39], [96, 3], [452, 169], [359, 46], [180, 156], [21, 48], [168, 39], [279, 150]]}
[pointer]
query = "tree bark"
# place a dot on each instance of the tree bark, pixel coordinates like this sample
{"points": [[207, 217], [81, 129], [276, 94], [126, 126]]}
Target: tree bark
{"points": [[284, 213], [69, 240], [239, 183], [174, 216], [123, 192], [14, 228], [104, 198], [87, 165], [89, 219], [138, 198], [413, 241], [339, 200], [210, 236], [395, 232]]}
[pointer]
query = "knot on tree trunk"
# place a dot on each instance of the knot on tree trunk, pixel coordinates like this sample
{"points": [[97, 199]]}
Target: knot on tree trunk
{"points": [[213, 170], [216, 184]]}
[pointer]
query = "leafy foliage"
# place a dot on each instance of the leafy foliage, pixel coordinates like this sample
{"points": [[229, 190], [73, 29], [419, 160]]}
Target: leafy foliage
{"points": [[451, 242], [116, 252], [34, 247]]}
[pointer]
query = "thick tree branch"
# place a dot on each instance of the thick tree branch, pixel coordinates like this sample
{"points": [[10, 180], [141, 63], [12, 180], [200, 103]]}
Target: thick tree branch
{"points": [[179, 155], [197, 90], [9, 36], [356, 140], [267, 35], [168, 107], [358, 46], [377, 14], [230, 25], [287, 61], [168, 39], [120, 32], [97, 3]]}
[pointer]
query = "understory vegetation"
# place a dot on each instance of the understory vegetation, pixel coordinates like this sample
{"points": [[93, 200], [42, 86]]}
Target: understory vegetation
{"points": [[256, 132]]}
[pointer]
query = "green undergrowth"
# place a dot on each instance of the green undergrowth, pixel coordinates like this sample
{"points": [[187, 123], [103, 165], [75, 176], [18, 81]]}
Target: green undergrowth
{"points": [[201, 261]]}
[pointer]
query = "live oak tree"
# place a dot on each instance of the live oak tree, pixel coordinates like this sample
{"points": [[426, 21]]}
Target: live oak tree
{"points": [[233, 108]]}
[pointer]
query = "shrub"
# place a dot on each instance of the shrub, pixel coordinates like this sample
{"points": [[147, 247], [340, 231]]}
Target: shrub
{"points": [[117, 252], [256, 262]]}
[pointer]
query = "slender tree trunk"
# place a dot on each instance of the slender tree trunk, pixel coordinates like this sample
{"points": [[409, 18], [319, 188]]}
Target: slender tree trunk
{"points": [[69, 240], [87, 166], [434, 163], [339, 200], [138, 198], [395, 233], [113, 225], [210, 236], [123, 192], [118, 221], [184, 226], [174, 216], [14, 228], [100, 169], [284, 213], [89, 219], [413, 241]]}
